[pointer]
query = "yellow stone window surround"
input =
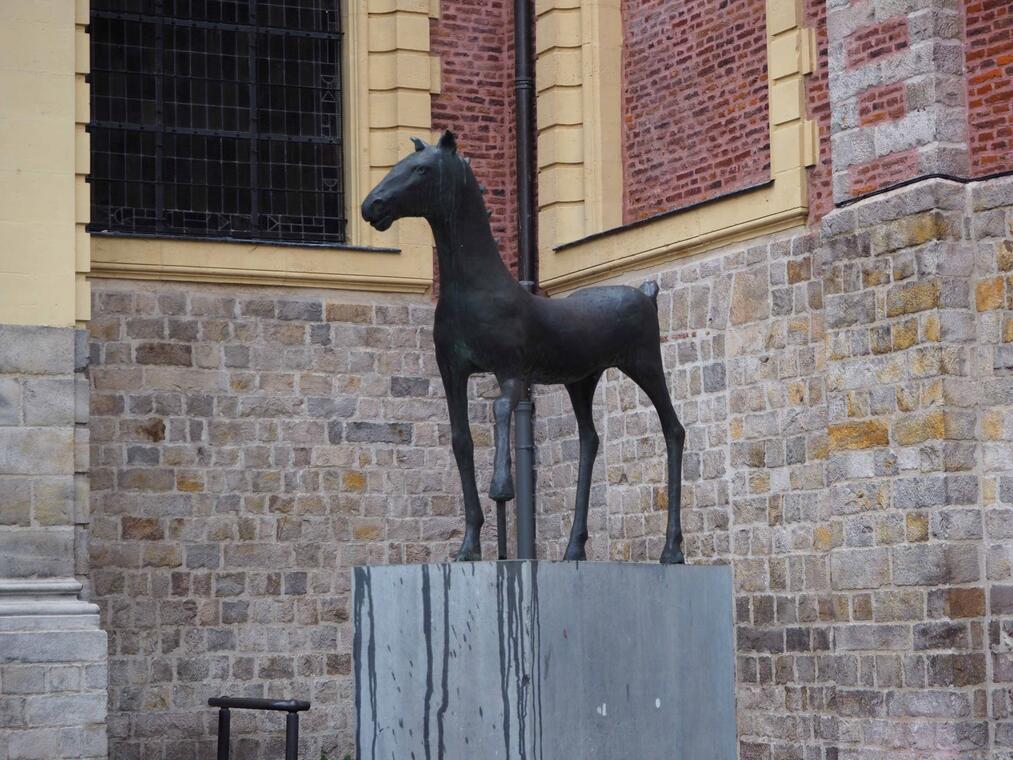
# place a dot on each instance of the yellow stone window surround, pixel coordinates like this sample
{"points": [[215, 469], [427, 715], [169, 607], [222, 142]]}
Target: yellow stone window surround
{"points": [[390, 76], [580, 187], [44, 251]]}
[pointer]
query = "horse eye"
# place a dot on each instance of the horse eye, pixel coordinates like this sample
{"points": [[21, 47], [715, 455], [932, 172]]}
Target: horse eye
{"points": [[421, 169]]}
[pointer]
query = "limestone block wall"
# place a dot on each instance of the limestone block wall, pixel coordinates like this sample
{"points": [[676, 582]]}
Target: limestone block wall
{"points": [[846, 395], [250, 445], [52, 653], [42, 402]]}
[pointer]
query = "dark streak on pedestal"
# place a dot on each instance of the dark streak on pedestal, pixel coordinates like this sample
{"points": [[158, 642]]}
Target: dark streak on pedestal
{"points": [[594, 660]]}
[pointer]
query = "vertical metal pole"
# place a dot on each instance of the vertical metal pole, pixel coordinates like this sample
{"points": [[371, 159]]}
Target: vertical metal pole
{"points": [[525, 480], [527, 242], [501, 529], [524, 88], [292, 736], [224, 728]]}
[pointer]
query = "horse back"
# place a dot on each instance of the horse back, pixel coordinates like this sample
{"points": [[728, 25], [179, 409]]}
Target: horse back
{"points": [[594, 328]]}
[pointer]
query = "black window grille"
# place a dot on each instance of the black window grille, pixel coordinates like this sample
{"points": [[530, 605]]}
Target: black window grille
{"points": [[217, 119]]}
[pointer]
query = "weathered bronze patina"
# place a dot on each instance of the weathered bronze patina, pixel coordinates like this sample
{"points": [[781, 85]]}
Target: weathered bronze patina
{"points": [[486, 322]]}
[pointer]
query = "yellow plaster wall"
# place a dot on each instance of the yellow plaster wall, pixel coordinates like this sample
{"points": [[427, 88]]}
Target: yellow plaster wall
{"points": [[582, 112], [43, 158], [390, 76], [578, 80]]}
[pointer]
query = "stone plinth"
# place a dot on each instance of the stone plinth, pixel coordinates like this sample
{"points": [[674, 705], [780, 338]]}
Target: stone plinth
{"points": [[53, 672], [544, 660]]}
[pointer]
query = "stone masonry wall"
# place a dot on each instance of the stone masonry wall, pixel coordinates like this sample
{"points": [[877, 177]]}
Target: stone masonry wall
{"points": [[43, 447], [897, 91], [846, 395], [249, 447], [52, 687], [52, 654]]}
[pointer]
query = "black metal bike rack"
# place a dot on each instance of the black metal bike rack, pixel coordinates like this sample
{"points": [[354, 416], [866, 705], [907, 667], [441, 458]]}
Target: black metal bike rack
{"points": [[291, 706]]}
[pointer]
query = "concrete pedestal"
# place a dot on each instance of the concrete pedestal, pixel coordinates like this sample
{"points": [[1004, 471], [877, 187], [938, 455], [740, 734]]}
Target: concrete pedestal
{"points": [[544, 661]]}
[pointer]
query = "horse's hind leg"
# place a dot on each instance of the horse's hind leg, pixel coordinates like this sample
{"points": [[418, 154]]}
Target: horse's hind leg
{"points": [[582, 397], [502, 486], [647, 371]]}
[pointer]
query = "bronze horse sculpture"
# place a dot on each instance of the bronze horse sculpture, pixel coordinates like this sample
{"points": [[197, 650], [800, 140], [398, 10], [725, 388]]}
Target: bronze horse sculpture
{"points": [[487, 322]]}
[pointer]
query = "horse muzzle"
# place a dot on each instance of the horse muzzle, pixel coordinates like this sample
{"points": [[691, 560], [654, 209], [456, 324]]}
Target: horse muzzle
{"points": [[378, 213]]}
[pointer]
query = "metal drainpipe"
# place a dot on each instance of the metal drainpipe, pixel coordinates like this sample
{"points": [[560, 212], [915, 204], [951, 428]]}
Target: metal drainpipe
{"points": [[524, 88]]}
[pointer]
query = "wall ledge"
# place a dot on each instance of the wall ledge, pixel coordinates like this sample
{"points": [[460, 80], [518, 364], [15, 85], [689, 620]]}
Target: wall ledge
{"points": [[237, 263]]}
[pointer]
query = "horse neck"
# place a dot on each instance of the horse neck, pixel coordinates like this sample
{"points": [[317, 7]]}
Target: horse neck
{"points": [[465, 248]]}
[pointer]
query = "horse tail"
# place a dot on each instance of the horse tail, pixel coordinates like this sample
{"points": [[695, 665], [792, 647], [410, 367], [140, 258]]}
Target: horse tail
{"points": [[650, 289]]}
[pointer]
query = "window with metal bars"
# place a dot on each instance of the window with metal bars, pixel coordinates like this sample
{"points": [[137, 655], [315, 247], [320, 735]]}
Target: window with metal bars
{"points": [[217, 119]]}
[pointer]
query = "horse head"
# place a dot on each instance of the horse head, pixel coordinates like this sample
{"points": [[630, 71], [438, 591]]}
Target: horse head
{"points": [[423, 183]]}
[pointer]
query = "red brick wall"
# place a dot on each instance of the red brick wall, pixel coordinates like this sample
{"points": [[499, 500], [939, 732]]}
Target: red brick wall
{"points": [[883, 171], [817, 88], [989, 62], [695, 101], [474, 40], [876, 41], [884, 101]]}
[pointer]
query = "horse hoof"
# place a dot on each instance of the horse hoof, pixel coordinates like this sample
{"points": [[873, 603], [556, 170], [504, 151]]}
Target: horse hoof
{"points": [[672, 557], [575, 554], [469, 552], [502, 490]]}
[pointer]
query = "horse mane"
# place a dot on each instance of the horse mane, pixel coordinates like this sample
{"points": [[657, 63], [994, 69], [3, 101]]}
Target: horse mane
{"points": [[471, 179]]}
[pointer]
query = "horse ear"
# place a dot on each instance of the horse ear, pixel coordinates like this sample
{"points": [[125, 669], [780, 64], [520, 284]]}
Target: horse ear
{"points": [[419, 145], [447, 142]]}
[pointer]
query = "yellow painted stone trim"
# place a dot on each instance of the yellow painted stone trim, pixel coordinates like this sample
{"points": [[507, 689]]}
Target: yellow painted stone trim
{"points": [[565, 218], [390, 78], [578, 80], [253, 264], [43, 197], [660, 242], [82, 164], [602, 49]]}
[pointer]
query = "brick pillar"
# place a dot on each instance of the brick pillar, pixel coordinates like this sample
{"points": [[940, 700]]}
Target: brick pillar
{"points": [[52, 653], [897, 92]]}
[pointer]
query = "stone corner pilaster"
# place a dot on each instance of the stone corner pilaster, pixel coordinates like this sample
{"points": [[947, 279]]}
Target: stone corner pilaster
{"points": [[53, 654], [897, 93]]}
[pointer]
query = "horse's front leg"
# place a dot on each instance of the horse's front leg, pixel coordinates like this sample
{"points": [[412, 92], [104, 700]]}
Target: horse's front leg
{"points": [[502, 486], [455, 384]]}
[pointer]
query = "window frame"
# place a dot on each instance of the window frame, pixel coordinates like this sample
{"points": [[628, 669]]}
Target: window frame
{"points": [[331, 211], [390, 75]]}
